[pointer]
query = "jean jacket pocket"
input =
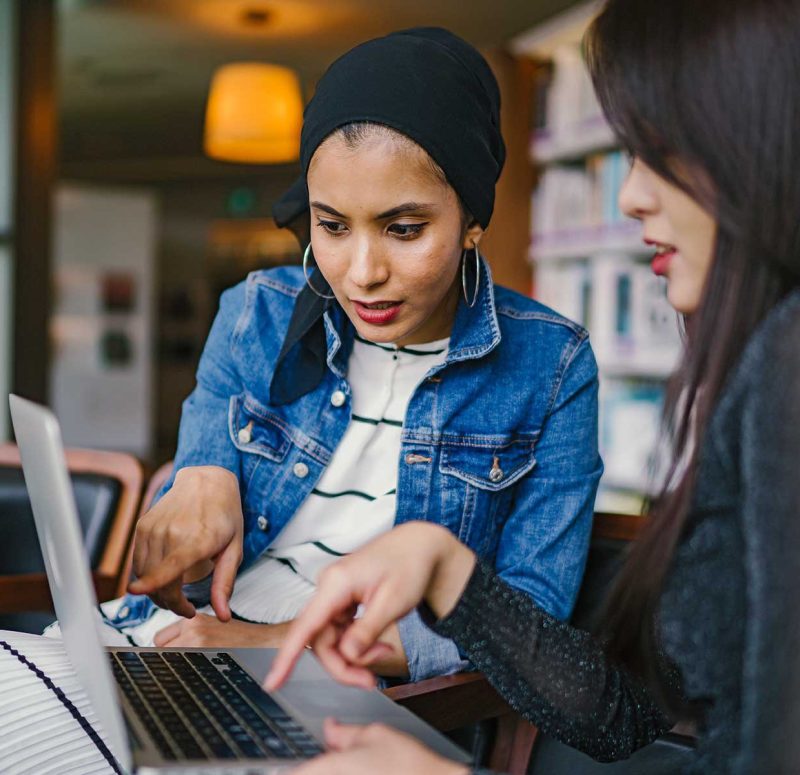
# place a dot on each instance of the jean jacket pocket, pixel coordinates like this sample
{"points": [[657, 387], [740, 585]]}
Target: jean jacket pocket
{"points": [[490, 463]]}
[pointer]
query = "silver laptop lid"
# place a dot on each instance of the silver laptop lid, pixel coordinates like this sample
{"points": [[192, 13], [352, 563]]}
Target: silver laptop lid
{"points": [[56, 516]]}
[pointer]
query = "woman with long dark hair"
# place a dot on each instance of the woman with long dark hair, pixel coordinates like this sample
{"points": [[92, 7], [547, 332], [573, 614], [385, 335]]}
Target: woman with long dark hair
{"points": [[703, 619]]}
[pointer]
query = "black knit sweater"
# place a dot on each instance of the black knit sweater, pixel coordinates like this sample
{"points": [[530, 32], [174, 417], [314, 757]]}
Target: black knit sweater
{"points": [[730, 612]]}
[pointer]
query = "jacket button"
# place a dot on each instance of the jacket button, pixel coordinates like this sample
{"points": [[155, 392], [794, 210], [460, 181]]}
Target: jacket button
{"points": [[245, 434], [338, 398], [300, 470], [263, 523], [496, 474]]}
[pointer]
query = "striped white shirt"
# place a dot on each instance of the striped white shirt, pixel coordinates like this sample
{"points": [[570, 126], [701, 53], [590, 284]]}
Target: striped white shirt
{"points": [[354, 500]]}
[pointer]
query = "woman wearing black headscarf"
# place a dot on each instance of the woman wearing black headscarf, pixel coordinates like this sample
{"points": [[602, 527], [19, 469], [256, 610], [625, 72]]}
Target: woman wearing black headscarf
{"points": [[387, 380]]}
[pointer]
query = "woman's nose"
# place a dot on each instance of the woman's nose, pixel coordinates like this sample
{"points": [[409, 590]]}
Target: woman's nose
{"points": [[368, 266], [637, 197]]}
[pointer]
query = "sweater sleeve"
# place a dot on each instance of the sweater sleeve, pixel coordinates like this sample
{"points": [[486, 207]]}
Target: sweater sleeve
{"points": [[555, 675], [770, 493]]}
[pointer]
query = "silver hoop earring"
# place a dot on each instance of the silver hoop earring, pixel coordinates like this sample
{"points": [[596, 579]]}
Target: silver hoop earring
{"points": [[477, 275], [306, 254]]}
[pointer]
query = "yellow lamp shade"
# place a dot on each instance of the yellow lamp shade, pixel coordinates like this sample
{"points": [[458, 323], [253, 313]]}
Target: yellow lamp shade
{"points": [[254, 114]]}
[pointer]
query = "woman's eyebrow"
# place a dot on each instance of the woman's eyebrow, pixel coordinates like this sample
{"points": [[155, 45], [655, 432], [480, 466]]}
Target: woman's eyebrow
{"points": [[327, 208], [401, 209], [406, 207]]}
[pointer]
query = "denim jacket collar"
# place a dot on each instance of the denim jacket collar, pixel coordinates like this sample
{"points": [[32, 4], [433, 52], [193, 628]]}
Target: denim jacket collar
{"points": [[339, 345], [476, 331], [316, 323]]}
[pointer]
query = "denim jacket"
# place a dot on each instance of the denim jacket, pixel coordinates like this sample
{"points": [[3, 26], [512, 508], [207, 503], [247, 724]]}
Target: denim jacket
{"points": [[499, 443]]}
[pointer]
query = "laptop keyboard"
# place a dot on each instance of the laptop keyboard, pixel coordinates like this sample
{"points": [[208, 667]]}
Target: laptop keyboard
{"points": [[200, 708]]}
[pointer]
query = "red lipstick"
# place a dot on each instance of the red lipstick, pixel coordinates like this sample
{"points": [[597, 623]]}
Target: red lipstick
{"points": [[662, 259], [377, 313]]}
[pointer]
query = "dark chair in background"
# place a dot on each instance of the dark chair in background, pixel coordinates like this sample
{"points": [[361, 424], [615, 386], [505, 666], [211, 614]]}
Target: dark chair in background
{"points": [[108, 487]]}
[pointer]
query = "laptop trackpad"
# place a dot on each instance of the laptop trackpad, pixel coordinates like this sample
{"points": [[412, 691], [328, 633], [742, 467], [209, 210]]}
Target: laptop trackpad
{"points": [[312, 692], [311, 695]]}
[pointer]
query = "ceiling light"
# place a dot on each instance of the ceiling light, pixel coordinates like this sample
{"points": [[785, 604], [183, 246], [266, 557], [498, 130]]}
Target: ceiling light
{"points": [[254, 114], [255, 17]]}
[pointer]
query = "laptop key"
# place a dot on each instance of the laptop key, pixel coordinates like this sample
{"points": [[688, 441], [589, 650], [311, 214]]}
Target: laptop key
{"points": [[263, 701], [250, 749], [222, 750]]}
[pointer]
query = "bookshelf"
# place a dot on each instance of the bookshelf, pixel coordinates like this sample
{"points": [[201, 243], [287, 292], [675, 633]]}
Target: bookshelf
{"points": [[588, 258]]}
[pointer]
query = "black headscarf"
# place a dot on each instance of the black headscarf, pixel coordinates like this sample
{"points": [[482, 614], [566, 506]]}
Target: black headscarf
{"points": [[431, 86]]}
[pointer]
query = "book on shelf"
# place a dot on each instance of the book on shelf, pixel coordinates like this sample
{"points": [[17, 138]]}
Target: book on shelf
{"points": [[634, 330], [567, 96], [568, 121], [565, 286], [630, 413], [579, 197]]}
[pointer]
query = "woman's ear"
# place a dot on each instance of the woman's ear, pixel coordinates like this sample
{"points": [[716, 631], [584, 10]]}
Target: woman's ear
{"points": [[472, 236]]}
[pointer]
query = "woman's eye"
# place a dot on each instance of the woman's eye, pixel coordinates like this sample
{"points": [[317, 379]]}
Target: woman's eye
{"points": [[332, 227], [407, 230]]}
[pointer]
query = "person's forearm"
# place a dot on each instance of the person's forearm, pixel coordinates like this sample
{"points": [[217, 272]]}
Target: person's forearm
{"points": [[396, 665], [275, 633], [454, 566], [206, 480], [555, 675]]}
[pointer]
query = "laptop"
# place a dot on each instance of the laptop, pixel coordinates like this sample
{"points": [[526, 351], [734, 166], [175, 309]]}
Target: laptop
{"points": [[177, 710]]}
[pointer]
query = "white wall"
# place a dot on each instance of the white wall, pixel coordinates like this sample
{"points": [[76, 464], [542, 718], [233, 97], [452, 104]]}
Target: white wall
{"points": [[6, 186], [98, 232]]}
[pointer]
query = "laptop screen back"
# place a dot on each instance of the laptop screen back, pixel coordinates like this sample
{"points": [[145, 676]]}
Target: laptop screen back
{"points": [[56, 517]]}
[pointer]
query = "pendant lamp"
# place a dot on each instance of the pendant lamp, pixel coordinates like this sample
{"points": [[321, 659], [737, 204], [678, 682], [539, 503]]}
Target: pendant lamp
{"points": [[254, 114]]}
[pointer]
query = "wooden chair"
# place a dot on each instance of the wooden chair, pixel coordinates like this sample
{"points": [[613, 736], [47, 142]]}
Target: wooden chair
{"points": [[108, 490], [453, 702]]}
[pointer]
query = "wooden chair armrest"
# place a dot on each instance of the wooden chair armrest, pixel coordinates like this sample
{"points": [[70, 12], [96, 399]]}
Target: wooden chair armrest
{"points": [[451, 701], [24, 592], [30, 592], [109, 576], [619, 527]]}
